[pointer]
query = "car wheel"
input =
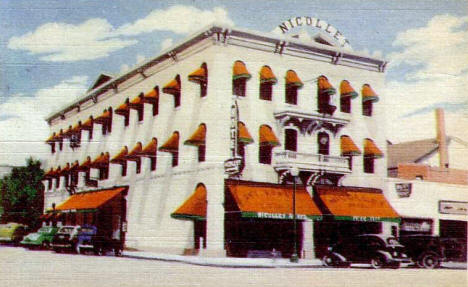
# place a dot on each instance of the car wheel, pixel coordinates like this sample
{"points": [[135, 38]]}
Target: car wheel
{"points": [[377, 262], [98, 251], [429, 261], [117, 252]]}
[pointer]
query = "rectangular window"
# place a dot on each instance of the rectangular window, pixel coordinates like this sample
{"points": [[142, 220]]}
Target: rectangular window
{"points": [[203, 89], [266, 91], [367, 108], [103, 173], [138, 166], [291, 95], [52, 147], [141, 113], [345, 104], [368, 164], [104, 129], [201, 153], [57, 182], [60, 144], [90, 133], [152, 163], [49, 186], [156, 106], [264, 154], [123, 170], [175, 158], [74, 178], [290, 140], [350, 162], [127, 120], [239, 86], [176, 99], [241, 151]]}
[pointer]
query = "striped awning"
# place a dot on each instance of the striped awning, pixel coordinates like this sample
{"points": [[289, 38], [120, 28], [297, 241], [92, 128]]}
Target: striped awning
{"points": [[134, 154], [104, 118], [267, 76], [348, 147], [324, 86], [194, 207], [199, 75], [244, 135], [100, 161], [239, 71], [370, 149], [346, 90], [267, 136], [292, 79], [150, 149], [172, 144], [198, 137], [173, 86], [123, 109], [368, 94], [152, 96], [121, 157]]}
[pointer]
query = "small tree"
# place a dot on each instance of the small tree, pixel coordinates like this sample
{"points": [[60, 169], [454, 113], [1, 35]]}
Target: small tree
{"points": [[22, 194]]}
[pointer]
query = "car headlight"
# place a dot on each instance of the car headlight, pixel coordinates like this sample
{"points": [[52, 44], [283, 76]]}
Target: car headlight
{"points": [[329, 249], [395, 254]]}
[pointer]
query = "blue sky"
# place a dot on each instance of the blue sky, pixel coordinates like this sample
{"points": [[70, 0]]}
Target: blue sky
{"points": [[43, 66]]}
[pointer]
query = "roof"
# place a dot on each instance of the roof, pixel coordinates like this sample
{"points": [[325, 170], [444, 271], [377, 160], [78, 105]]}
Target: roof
{"points": [[410, 152]]}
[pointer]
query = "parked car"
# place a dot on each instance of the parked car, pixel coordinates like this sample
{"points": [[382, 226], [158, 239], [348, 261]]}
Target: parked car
{"points": [[66, 238], [428, 251], [42, 238], [90, 239], [378, 250], [12, 232]]}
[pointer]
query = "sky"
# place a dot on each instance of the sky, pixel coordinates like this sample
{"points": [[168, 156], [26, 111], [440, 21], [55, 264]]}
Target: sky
{"points": [[52, 51]]}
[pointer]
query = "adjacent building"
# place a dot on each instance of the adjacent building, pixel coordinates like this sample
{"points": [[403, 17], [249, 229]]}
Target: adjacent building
{"points": [[216, 146]]}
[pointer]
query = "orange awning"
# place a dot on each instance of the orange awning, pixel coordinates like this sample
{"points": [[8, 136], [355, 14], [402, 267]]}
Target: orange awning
{"points": [[272, 201], [356, 204], [104, 118], [123, 109], [77, 128], [324, 86], [152, 96], [244, 135], [65, 170], [101, 161], [194, 207], [348, 148], [121, 157], [346, 90], [199, 75], [88, 124], [267, 136], [368, 94], [370, 149], [74, 165], [136, 103], [68, 132], [198, 137], [85, 165], [239, 71], [292, 79], [172, 87], [134, 154], [50, 173], [172, 144], [150, 149], [89, 201], [267, 76], [51, 139]]}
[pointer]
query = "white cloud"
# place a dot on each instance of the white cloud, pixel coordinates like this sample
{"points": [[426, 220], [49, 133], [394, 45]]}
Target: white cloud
{"points": [[140, 59], [438, 78], [24, 129], [97, 38], [166, 43]]}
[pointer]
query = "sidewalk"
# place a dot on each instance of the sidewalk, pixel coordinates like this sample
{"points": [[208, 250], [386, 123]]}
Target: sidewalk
{"points": [[225, 261]]}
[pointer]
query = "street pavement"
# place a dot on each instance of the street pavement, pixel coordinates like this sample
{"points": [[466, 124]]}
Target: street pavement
{"points": [[20, 267]]}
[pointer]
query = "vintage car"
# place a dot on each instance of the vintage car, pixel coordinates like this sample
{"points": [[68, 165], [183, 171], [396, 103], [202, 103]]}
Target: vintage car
{"points": [[12, 232], [376, 249], [90, 239], [42, 238], [66, 238]]}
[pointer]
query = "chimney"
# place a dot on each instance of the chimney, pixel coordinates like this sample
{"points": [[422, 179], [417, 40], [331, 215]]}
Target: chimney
{"points": [[442, 139]]}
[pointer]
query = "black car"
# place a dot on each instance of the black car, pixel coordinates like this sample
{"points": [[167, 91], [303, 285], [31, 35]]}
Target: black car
{"points": [[91, 239], [376, 249], [66, 238]]}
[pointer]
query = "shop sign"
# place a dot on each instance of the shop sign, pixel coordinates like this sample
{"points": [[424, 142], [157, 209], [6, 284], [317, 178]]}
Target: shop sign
{"points": [[403, 189], [453, 207], [233, 166], [416, 226], [366, 218], [268, 215], [302, 21]]}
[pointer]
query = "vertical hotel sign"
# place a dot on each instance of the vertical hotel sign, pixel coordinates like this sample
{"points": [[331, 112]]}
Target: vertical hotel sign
{"points": [[233, 166]]}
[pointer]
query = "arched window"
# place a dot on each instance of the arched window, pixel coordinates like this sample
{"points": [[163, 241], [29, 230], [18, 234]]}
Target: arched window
{"points": [[323, 141], [240, 75], [290, 139], [267, 80]]}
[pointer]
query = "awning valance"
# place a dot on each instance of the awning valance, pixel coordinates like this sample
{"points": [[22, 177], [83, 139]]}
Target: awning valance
{"points": [[370, 149], [346, 90], [136, 103], [104, 118], [272, 201], [89, 201], [239, 71], [267, 76], [134, 154], [194, 207], [86, 165], [244, 135], [267, 136], [152, 96], [324, 86], [348, 147], [101, 161], [368, 94], [198, 137], [173, 87], [172, 144], [292, 79], [199, 75], [88, 124], [123, 109], [121, 157], [150, 149], [356, 204]]}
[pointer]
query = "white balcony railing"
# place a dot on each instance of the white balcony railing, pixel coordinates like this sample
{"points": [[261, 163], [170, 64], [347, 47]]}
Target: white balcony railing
{"points": [[310, 162]]}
